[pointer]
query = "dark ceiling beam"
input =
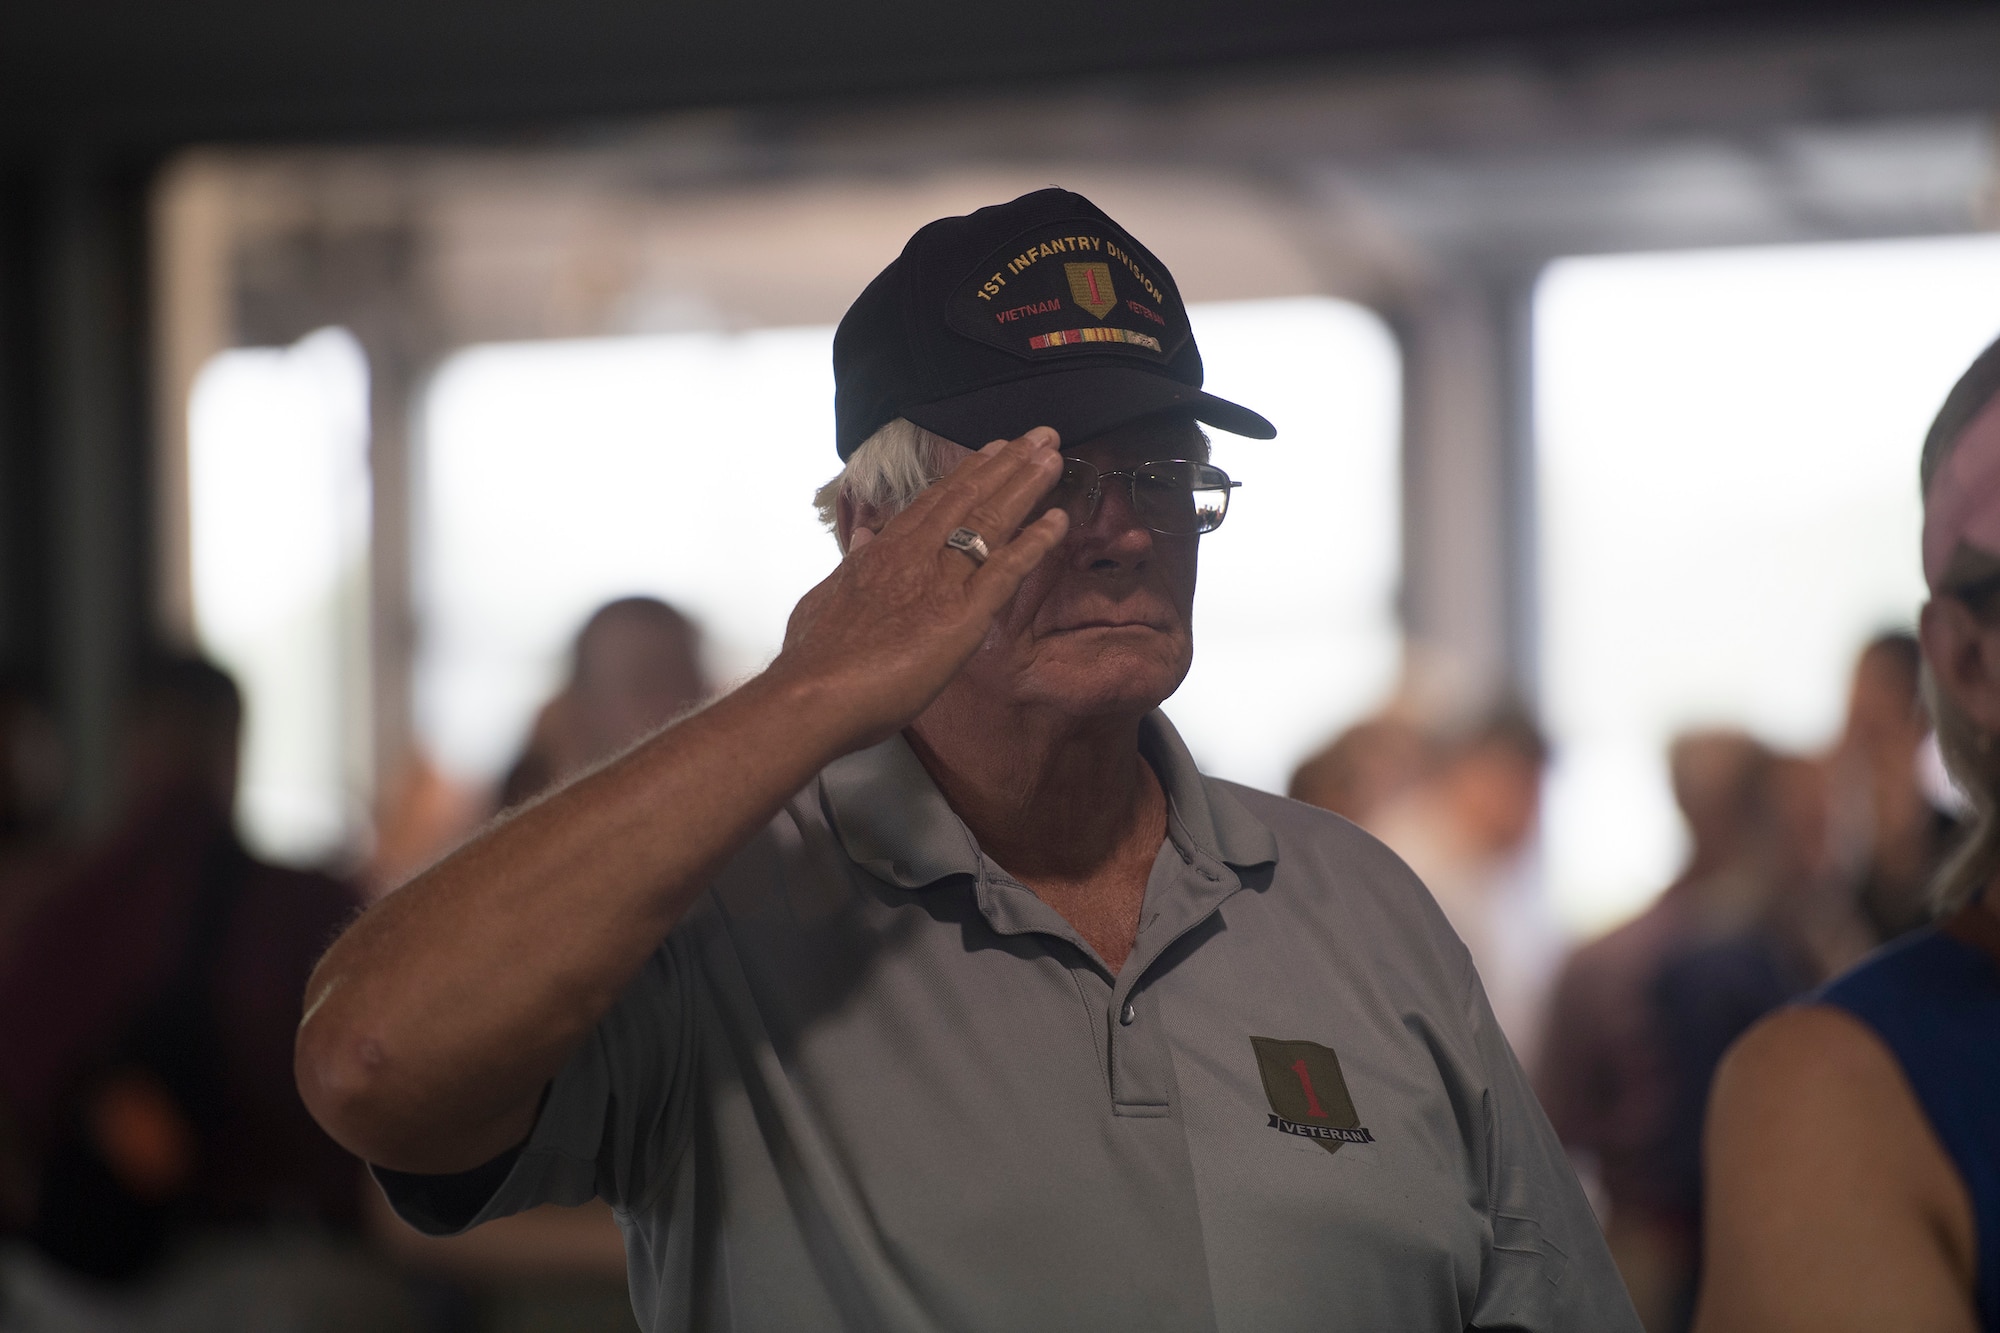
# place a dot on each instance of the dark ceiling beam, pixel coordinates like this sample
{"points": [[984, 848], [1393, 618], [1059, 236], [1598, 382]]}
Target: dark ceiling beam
{"points": [[140, 72]]}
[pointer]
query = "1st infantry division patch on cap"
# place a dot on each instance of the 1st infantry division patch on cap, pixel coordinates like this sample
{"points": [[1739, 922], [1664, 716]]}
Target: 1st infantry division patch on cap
{"points": [[1071, 287], [1308, 1095], [1090, 287]]}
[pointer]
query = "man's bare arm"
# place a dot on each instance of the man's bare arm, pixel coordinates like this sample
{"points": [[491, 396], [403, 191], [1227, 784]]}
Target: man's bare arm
{"points": [[434, 1023], [1831, 1205]]}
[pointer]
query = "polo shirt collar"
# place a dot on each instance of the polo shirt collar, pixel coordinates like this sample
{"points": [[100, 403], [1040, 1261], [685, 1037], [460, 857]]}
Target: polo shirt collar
{"points": [[892, 819], [1214, 821], [896, 824]]}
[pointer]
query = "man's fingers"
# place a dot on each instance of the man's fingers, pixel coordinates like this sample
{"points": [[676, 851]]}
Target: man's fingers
{"points": [[1002, 513], [996, 580], [990, 493]]}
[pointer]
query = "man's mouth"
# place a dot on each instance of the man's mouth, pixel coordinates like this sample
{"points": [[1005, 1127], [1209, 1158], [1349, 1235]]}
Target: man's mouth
{"points": [[1108, 623]]}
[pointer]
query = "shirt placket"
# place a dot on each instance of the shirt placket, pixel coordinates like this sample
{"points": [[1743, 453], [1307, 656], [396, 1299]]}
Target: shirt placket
{"points": [[1186, 886]]}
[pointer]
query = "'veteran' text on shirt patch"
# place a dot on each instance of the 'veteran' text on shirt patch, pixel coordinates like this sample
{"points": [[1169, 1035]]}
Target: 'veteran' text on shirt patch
{"points": [[1331, 1133], [1308, 1095]]}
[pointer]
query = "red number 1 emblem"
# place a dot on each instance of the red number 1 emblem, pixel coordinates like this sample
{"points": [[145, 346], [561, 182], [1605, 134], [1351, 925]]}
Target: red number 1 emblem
{"points": [[1305, 1081]]}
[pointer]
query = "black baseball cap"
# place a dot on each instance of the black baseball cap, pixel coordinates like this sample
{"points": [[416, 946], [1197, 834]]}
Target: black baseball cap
{"points": [[1038, 312]]}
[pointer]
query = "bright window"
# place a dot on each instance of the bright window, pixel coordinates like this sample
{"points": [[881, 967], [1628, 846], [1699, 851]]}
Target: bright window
{"points": [[560, 475], [1729, 508], [278, 492]]}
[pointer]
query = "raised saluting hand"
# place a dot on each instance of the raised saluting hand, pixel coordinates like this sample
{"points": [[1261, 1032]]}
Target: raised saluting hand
{"points": [[890, 627]]}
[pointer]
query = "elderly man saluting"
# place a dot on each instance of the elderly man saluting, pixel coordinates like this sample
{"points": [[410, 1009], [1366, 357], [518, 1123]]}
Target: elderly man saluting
{"points": [[923, 982]]}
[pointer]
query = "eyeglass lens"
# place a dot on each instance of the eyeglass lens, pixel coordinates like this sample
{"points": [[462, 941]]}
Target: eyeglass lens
{"points": [[1173, 496]]}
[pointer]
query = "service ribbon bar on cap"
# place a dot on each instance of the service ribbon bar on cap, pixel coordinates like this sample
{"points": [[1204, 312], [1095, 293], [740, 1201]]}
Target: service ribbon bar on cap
{"points": [[1066, 337]]}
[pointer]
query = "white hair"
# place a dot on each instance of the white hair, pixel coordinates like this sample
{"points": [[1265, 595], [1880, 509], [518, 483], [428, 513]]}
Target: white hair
{"points": [[890, 469]]}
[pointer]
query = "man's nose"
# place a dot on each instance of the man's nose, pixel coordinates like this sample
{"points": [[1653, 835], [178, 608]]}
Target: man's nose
{"points": [[1115, 531]]}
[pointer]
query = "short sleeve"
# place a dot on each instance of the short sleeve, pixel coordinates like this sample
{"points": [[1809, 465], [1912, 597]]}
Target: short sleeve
{"points": [[1549, 1270], [612, 1123]]}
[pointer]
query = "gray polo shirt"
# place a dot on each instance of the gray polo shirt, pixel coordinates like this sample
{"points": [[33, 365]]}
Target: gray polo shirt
{"points": [[873, 1082]]}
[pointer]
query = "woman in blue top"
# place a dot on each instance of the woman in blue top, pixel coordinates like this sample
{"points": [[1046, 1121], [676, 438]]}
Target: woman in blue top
{"points": [[1853, 1154]]}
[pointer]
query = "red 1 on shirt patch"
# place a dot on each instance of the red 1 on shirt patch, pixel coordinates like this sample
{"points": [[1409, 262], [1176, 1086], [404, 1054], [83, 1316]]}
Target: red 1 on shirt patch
{"points": [[1308, 1096]]}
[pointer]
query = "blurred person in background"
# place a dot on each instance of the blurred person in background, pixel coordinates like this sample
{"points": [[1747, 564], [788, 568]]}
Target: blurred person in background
{"points": [[146, 1019], [635, 666], [1891, 836], [1611, 1074], [1714, 985], [1853, 1151], [1365, 768], [1467, 826]]}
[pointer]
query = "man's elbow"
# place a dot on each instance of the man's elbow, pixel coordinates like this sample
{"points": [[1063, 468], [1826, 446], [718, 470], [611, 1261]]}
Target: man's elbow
{"points": [[380, 1109], [343, 1079]]}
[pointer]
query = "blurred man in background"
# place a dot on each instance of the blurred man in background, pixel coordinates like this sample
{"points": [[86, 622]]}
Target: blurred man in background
{"points": [[146, 1020], [636, 664], [1713, 987], [1366, 767], [1641, 1017], [1467, 827], [1606, 1077]]}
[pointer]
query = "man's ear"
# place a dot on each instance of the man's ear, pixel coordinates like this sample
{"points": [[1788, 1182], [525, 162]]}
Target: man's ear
{"points": [[843, 520], [848, 515], [1963, 653]]}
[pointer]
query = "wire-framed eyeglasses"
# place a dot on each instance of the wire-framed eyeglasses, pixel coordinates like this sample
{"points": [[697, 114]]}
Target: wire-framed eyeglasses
{"points": [[1175, 496]]}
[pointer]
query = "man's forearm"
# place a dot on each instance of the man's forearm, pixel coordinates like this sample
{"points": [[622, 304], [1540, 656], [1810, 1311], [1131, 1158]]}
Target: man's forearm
{"points": [[433, 1024]]}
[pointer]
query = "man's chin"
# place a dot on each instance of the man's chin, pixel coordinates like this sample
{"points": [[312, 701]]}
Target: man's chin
{"points": [[1110, 684]]}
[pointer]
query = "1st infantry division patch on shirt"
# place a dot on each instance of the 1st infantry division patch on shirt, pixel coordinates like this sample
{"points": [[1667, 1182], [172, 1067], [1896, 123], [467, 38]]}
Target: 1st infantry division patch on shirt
{"points": [[1308, 1095]]}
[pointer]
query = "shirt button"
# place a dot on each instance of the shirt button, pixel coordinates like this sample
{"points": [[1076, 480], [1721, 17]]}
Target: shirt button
{"points": [[1127, 1014]]}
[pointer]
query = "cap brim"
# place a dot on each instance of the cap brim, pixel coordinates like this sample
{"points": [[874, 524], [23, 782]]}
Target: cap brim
{"points": [[1078, 404]]}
